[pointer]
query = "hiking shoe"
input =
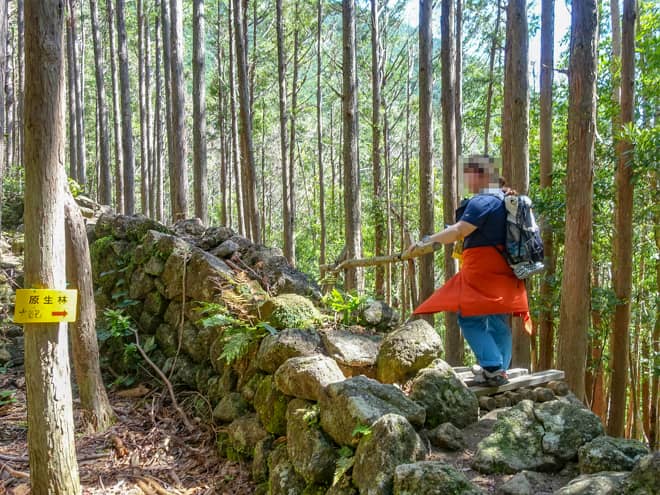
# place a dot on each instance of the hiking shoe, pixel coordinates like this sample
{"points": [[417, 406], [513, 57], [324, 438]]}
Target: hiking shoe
{"points": [[478, 373], [495, 378]]}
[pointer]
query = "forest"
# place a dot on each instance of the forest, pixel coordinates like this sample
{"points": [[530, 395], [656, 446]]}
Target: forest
{"points": [[336, 130]]}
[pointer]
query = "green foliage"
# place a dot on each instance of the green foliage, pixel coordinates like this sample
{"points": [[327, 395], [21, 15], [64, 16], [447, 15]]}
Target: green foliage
{"points": [[238, 334], [75, 188], [312, 415], [361, 431], [12, 203], [344, 463], [6, 397], [344, 304]]}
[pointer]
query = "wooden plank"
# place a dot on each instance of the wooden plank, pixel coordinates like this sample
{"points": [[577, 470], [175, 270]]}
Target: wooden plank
{"points": [[520, 382], [468, 377]]}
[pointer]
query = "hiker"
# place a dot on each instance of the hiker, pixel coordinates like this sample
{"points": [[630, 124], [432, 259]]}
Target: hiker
{"points": [[485, 290]]}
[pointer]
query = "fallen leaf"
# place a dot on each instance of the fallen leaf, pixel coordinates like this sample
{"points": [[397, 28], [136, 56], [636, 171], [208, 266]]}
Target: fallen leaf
{"points": [[139, 391]]}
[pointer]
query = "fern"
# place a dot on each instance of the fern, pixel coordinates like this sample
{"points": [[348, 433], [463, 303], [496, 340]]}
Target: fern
{"points": [[344, 463], [361, 431]]}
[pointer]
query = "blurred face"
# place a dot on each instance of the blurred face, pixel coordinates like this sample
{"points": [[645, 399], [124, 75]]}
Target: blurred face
{"points": [[480, 173]]}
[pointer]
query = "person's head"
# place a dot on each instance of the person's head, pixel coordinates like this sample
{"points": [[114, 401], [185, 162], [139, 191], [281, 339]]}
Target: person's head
{"points": [[480, 172]]}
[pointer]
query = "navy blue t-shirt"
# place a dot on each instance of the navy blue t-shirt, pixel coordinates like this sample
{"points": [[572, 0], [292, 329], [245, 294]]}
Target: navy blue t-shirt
{"points": [[488, 213]]}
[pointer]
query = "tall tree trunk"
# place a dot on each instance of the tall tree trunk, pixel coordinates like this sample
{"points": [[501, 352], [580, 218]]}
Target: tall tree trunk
{"points": [[105, 183], [97, 411], [80, 113], [222, 110], [546, 318], [3, 67], [199, 111], [158, 129], [142, 102], [575, 289], [491, 76], [20, 104], [352, 207], [654, 416], [71, 98], [53, 466], [426, 213], [623, 224], [119, 162], [319, 136], [515, 133], [453, 340], [238, 179], [376, 144], [147, 108], [292, 135], [594, 377], [126, 113], [167, 87], [287, 218], [458, 98], [178, 174]]}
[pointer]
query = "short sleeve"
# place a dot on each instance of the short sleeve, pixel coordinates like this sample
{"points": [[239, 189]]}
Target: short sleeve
{"points": [[478, 210]]}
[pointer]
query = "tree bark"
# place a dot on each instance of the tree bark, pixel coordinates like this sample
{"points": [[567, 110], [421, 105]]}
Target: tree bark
{"points": [[292, 135], [575, 289], [515, 134], [71, 98], [178, 174], [105, 182], [222, 122], [81, 163], [491, 76], [119, 163], [199, 112], [157, 161], [167, 86], [319, 137], [53, 467], [3, 68], [352, 207], [453, 339], [235, 156], [97, 411], [546, 318], [623, 224], [20, 104], [426, 213], [126, 113], [144, 118]]}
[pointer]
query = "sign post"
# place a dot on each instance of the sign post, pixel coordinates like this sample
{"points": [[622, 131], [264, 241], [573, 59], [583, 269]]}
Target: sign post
{"points": [[45, 305]]}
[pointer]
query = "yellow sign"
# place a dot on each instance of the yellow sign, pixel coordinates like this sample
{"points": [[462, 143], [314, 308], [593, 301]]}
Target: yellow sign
{"points": [[45, 305]]}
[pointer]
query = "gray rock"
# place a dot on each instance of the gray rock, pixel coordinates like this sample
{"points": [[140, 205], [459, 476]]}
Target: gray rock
{"points": [[447, 436], [226, 249], [354, 353], [155, 304], [305, 377], [275, 349], [149, 323], [204, 274], [141, 284], [343, 487], [567, 427], [605, 483], [197, 342], [232, 406], [407, 350], [609, 454], [132, 227], [444, 396], [260, 460], [379, 315], [282, 278], [290, 311], [431, 478], [645, 477], [220, 386], [283, 478], [166, 338], [516, 444], [271, 405], [214, 236], [154, 266], [361, 401], [244, 434], [523, 483], [392, 441], [189, 227], [312, 454], [172, 276]]}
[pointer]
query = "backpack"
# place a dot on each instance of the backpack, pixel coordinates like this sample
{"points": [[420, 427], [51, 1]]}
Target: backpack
{"points": [[523, 245]]}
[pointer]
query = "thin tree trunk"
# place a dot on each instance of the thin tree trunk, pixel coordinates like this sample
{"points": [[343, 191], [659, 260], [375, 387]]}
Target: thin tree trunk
{"points": [[458, 98], [97, 411], [151, 193], [71, 98], [119, 167], [453, 339], [623, 223], [20, 87], [319, 137], [199, 112], [105, 183], [53, 467], [158, 130], [167, 87], [3, 66], [491, 76], [222, 110], [352, 213], [292, 135], [654, 417], [80, 113], [594, 378], [238, 179], [426, 193], [178, 174], [546, 318], [126, 113], [575, 289], [376, 143], [142, 101]]}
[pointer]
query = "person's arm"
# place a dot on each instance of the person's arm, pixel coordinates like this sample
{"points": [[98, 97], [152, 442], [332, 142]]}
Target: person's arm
{"points": [[452, 233]]}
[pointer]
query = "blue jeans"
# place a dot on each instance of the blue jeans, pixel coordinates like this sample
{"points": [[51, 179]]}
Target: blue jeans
{"points": [[489, 337]]}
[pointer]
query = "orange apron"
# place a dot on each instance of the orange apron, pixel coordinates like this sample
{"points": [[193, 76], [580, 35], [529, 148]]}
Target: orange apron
{"points": [[485, 285]]}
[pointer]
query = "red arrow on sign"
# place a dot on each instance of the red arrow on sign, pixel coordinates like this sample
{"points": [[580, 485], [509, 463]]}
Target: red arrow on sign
{"points": [[59, 313]]}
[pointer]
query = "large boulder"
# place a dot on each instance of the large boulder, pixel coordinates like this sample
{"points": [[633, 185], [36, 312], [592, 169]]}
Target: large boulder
{"points": [[354, 353], [205, 274], [305, 377], [129, 227], [610, 454], [392, 441], [311, 452], [407, 350], [516, 444], [378, 315], [271, 405], [566, 428], [523, 483], [605, 483], [231, 407], [444, 396], [292, 342], [361, 401], [447, 436], [645, 477], [431, 478], [283, 478], [282, 278], [290, 311], [244, 434]]}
